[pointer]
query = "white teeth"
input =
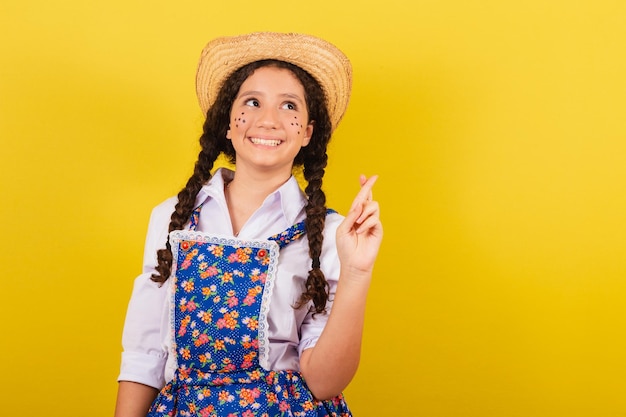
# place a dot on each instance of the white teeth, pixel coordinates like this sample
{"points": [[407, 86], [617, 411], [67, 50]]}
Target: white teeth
{"points": [[266, 142]]}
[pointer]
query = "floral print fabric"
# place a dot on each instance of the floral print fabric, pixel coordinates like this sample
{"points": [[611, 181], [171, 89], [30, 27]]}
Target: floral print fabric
{"points": [[221, 293]]}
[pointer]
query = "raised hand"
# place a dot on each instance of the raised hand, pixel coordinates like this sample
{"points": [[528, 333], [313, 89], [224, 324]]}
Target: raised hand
{"points": [[360, 234]]}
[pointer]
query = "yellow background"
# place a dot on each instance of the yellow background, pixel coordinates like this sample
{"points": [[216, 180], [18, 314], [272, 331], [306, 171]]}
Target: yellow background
{"points": [[498, 131]]}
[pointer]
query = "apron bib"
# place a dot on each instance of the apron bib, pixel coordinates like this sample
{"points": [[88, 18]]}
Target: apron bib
{"points": [[222, 291]]}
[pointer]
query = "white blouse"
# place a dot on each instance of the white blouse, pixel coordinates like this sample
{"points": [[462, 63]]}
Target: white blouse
{"points": [[147, 335]]}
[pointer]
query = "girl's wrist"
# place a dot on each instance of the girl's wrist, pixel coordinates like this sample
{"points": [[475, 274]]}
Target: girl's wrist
{"points": [[355, 280]]}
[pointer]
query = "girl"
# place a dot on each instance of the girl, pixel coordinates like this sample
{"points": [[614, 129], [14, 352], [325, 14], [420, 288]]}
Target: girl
{"points": [[255, 305]]}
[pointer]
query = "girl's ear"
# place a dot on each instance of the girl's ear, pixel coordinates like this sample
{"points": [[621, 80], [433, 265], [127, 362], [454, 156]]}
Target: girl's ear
{"points": [[228, 133], [308, 133]]}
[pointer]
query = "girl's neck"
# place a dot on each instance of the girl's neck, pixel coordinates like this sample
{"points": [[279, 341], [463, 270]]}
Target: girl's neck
{"points": [[256, 185], [245, 194]]}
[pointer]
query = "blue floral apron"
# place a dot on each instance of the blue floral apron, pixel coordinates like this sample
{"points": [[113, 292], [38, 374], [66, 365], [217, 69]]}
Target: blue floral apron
{"points": [[222, 291]]}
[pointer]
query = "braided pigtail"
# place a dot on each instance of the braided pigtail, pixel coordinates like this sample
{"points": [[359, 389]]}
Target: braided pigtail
{"points": [[313, 158], [184, 208], [316, 287]]}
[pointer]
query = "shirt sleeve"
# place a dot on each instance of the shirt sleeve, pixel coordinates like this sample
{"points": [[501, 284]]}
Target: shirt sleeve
{"points": [[314, 324], [144, 351]]}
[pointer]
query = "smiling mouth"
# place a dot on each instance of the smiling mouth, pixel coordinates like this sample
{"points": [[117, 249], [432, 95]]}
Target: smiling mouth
{"points": [[266, 142]]}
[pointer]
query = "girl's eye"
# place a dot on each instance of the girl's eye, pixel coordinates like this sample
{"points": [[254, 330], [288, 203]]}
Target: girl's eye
{"points": [[252, 102], [289, 106]]}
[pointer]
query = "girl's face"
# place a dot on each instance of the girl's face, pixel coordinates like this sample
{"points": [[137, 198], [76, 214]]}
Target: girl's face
{"points": [[269, 120]]}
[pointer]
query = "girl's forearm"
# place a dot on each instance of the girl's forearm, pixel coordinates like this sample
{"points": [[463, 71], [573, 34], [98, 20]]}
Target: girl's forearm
{"points": [[134, 399], [331, 364]]}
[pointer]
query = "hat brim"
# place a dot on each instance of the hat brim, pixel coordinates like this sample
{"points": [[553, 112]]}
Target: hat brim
{"points": [[325, 62]]}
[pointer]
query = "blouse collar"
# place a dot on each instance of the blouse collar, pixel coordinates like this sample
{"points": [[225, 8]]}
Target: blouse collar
{"points": [[292, 199]]}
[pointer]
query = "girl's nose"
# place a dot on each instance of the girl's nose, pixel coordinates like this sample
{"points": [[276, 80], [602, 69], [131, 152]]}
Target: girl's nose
{"points": [[269, 118]]}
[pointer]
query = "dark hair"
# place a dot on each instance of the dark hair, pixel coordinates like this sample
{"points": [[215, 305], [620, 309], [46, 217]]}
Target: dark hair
{"points": [[313, 159]]}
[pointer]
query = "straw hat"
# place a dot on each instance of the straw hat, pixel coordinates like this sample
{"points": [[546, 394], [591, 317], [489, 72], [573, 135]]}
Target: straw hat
{"points": [[327, 64]]}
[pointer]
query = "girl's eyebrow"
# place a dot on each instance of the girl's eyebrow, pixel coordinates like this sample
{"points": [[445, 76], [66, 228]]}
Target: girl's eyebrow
{"points": [[249, 93], [295, 97]]}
